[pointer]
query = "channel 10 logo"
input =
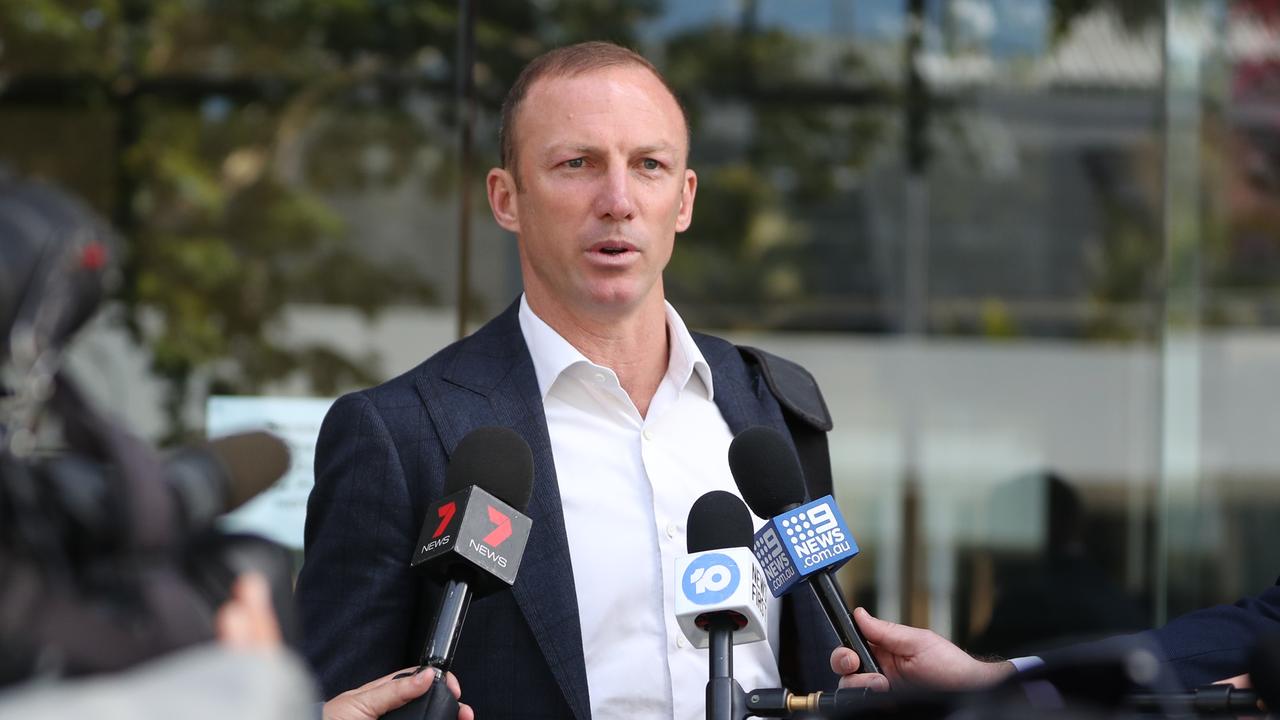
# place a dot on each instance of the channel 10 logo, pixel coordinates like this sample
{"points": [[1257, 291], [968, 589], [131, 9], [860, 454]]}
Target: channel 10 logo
{"points": [[711, 578]]}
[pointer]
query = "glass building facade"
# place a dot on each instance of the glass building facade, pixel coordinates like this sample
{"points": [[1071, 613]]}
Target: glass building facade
{"points": [[1029, 248]]}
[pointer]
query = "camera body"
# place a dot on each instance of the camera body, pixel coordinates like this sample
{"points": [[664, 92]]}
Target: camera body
{"points": [[106, 559]]}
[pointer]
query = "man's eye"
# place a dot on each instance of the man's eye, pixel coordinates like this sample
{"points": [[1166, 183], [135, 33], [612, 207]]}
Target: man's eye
{"points": [[576, 163], [650, 164]]}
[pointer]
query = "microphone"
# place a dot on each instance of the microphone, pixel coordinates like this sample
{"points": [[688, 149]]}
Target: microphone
{"points": [[801, 541], [472, 539], [720, 576], [720, 598], [203, 482], [224, 473]]}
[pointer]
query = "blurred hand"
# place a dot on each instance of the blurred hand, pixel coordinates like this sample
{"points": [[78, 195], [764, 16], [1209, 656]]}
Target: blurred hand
{"points": [[246, 621], [1243, 682], [379, 697], [913, 658]]}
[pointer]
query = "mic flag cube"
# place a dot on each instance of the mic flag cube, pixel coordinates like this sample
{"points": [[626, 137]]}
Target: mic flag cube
{"points": [[801, 542], [476, 529], [727, 581]]}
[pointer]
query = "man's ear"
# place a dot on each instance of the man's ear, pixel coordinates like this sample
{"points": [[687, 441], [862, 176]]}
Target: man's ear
{"points": [[684, 217], [501, 186]]}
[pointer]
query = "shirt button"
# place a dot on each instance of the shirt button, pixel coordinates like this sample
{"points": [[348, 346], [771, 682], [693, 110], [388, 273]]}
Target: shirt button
{"points": [[647, 434], [671, 530], [679, 641], [600, 377]]}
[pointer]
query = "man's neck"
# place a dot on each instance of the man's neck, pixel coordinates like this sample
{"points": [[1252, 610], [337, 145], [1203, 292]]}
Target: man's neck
{"points": [[634, 344]]}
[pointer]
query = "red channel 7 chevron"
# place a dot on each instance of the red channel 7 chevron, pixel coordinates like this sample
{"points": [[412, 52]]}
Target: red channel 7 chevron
{"points": [[473, 527]]}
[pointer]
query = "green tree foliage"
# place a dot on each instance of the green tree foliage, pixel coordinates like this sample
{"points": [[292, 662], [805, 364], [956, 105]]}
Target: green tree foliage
{"points": [[217, 132]]}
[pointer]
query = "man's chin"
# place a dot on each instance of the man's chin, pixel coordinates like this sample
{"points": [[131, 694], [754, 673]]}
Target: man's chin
{"points": [[618, 299]]}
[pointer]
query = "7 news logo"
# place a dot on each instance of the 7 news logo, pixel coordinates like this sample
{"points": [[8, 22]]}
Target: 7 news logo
{"points": [[488, 544], [472, 526], [498, 532], [446, 513]]}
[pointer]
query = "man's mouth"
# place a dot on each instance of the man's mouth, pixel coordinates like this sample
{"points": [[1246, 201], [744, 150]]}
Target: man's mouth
{"points": [[613, 248]]}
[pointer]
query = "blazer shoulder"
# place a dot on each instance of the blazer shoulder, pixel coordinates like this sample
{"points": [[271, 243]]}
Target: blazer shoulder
{"points": [[463, 358], [789, 382]]}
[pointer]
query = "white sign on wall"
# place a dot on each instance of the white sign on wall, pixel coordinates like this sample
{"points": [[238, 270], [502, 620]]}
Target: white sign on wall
{"points": [[279, 512]]}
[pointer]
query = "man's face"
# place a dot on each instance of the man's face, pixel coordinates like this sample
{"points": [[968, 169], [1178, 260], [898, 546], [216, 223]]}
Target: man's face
{"points": [[603, 189]]}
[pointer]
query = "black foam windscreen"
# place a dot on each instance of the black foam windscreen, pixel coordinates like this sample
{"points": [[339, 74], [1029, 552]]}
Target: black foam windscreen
{"points": [[767, 471], [497, 460], [1264, 669], [225, 473], [254, 462], [718, 520]]}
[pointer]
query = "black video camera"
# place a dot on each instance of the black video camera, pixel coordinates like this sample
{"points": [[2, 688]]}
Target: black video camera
{"points": [[108, 554]]}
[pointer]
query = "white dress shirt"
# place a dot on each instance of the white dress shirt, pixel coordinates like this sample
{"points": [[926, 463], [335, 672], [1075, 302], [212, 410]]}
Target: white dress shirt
{"points": [[626, 484]]}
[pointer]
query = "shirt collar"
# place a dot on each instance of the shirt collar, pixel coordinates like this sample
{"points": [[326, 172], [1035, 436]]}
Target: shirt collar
{"points": [[552, 354]]}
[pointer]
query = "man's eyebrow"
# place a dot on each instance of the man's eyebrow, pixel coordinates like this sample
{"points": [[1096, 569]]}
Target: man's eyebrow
{"points": [[649, 149], [655, 148], [576, 149]]}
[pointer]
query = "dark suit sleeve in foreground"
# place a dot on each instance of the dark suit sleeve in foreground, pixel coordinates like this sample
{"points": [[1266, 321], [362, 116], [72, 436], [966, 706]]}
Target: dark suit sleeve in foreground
{"points": [[1214, 643], [356, 595]]}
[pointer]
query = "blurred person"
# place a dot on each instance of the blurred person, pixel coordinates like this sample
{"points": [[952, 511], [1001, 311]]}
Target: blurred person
{"points": [[247, 674], [1201, 647], [110, 592], [1059, 594], [628, 414], [247, 622]]}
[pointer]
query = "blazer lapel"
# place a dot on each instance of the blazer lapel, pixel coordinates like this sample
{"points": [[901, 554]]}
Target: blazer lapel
{"points": [[495, 385], [737, 392]]}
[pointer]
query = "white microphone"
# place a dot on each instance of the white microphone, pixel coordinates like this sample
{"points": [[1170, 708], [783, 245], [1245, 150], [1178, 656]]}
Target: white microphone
{"points": [[721, 599], [726, 582]]}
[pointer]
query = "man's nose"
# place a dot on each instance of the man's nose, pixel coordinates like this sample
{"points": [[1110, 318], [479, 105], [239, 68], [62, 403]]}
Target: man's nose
{"points": [[614, 199]]}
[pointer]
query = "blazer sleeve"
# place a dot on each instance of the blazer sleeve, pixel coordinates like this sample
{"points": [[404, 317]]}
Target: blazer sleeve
{"points": [[1215, 643], [356, 595]]}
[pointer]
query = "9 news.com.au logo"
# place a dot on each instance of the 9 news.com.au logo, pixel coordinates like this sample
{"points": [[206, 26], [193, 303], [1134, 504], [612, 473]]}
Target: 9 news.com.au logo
{"points": [[774, 559], [813, 529], [710, 579], [810, 538]]}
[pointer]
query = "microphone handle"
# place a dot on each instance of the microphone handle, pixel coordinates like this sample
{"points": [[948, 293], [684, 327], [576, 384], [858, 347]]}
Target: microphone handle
{"points": [[722, 690], [720, 648], [437, 703], [838, 613], [446, 628]]}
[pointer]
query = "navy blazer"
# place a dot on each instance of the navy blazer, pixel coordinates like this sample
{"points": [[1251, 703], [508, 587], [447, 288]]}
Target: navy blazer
{"points": [[380, 461], [1215, 643]]}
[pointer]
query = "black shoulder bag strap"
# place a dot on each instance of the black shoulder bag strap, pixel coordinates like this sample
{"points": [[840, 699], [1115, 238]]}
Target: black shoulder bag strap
{"points": [[805, 411], [808, 421]]}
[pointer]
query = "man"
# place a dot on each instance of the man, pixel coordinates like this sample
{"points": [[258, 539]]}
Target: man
{"points": [[628, 415], [1202, 647]]}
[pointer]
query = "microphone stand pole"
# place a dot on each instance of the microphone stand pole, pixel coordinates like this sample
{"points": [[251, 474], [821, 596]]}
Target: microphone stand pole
{"points": [[725, 697]]}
